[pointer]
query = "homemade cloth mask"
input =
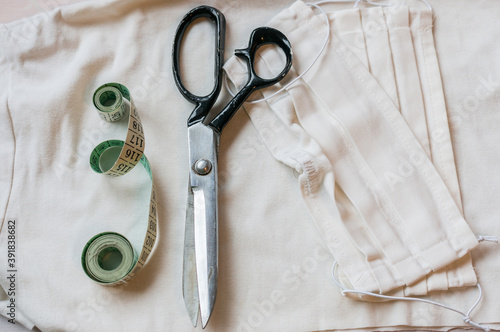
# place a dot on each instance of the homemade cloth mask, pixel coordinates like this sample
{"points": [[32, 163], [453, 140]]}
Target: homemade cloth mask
{"points": [[396, 45], [364, 143]]}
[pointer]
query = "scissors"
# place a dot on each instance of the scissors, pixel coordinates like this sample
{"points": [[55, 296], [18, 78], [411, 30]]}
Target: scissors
{"points": [[199, 282]]}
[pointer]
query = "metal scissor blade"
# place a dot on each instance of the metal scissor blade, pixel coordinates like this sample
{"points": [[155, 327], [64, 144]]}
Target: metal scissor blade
{"points": [[203, 143], [205, 234], [189, 281]]}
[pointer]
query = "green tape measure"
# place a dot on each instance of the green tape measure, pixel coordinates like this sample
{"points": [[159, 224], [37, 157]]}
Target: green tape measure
{"points": [[109, 258]]}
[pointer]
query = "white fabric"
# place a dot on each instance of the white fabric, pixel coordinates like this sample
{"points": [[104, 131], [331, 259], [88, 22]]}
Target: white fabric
{"points": [[396, 220], [274, 272], [396, 45]]}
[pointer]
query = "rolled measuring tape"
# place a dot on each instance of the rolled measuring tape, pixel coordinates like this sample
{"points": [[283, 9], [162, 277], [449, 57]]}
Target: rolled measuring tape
{"points": [[109, 258]]}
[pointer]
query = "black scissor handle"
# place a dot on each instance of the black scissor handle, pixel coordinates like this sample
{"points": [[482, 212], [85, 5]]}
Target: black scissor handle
{"points": [[203, 103], [259, 37]]}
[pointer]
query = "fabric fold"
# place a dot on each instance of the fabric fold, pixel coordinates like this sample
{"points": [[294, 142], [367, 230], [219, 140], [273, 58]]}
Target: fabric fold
{"points": [[7, 148]]}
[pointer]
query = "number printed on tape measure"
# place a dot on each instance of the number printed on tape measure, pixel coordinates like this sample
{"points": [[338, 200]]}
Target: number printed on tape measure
{"points": [[150, 241], [152, 225], [137, 126], [136, 140], [124, 168], [133, 155]]}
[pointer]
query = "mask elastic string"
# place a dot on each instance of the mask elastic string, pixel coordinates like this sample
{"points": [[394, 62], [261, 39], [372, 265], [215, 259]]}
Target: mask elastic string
{"points": [[315, 5], [465, 316], [485, 238]]}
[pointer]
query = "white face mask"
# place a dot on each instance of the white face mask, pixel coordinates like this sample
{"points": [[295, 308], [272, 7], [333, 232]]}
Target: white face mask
{"points": [[396, 45], [366, 129]]}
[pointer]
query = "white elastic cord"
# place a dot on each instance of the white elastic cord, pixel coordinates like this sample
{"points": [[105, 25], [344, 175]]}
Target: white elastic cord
{"points": [[482, 238], [465, 316], [428, 5], [308, 68]]}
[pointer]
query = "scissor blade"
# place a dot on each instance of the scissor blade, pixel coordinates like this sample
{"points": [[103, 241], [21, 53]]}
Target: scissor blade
{"points": [[205, 230], [189, 282], [203, 142]]}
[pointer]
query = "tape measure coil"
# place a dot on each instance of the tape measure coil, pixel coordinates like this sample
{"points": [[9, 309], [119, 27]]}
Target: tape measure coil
{"points": [[109, 258]]}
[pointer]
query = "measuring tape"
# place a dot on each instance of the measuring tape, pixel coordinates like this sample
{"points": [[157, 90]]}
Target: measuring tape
{"points": [[109, 258]]}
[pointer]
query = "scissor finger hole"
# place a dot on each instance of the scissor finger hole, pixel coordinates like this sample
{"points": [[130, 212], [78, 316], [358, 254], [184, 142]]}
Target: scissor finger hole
{"points": [[269, 61], [197, 51]]}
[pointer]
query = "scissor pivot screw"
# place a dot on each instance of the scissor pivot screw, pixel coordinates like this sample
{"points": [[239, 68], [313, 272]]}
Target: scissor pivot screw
{"points": [[202, 166]]}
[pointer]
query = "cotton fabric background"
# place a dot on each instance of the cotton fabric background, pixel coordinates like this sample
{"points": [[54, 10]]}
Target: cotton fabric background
{"points": [[274, 272]]}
